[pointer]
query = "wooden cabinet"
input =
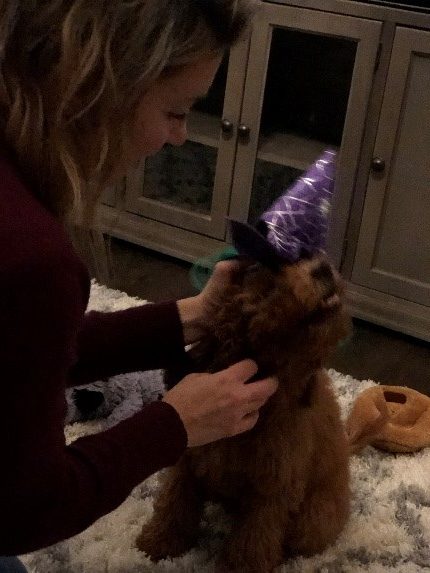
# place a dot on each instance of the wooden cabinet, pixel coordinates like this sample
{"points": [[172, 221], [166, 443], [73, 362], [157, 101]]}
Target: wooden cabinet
{"points": [[300, 84], [393, 248], [352, 76]]}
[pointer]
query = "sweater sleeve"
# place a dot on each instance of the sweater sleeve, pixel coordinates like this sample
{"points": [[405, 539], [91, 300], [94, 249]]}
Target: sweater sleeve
{"points": [[142, 338], [50, 491]]}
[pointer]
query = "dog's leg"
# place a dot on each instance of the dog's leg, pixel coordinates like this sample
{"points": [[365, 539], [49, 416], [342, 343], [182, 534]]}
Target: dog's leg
{"points": [[256, 545], [321, 518], [173, 528]]}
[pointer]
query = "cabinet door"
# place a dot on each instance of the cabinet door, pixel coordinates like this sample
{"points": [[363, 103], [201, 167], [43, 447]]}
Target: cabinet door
{"points": [[189, 186], [393, 254], [307, 87]]}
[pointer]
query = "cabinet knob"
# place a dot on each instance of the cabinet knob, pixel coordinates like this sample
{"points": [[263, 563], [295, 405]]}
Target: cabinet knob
{"points": [[243, 131], [378, 165], [227, 126]]}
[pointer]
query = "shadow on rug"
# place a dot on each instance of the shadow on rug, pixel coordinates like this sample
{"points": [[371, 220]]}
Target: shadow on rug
{"points": [[389, 527]]}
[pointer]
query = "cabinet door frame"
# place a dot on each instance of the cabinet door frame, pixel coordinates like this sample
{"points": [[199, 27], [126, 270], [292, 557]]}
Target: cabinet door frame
{"points": [[212, 224], [407, 42], [367, 33]]}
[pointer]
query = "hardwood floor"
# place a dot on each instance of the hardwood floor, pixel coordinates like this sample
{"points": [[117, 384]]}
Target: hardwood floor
{"points": [[371, 352]]}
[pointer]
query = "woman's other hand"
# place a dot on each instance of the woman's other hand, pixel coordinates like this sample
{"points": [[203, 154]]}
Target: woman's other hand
{"points": [[220, 405], [194, 311]]}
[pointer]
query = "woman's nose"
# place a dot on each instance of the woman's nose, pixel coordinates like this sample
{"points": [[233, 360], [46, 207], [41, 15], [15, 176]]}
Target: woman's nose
{"points": [[178, 134]]}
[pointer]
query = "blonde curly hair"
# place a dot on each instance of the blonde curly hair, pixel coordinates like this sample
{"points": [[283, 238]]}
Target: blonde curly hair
{"points": [[73, 71]]}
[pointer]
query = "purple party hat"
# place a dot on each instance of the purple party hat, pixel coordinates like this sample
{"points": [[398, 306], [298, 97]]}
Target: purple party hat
{"points": [[296, 225]]}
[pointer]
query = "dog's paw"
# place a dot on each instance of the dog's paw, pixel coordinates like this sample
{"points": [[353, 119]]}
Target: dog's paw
{"points": [[243, 568], [221, 568], [159, 544], [239, 560]]}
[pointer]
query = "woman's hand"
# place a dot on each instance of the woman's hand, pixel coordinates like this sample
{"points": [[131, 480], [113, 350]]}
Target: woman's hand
{"points": [[220, 405], [194, 311]]}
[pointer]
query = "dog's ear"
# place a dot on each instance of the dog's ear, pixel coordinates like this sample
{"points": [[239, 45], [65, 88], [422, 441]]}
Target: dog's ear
{"points": [[271, 307], [244, 269], [258, 284]]}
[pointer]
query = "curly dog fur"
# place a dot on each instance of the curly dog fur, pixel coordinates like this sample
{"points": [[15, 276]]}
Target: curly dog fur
{"points": [[287, 479]]}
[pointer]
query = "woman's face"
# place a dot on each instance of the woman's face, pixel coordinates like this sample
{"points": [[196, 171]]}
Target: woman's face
{"points": [[161, 115]]}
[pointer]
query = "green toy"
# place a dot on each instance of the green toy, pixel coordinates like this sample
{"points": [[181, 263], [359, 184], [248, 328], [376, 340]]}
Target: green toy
{"points": [[202, 270]]}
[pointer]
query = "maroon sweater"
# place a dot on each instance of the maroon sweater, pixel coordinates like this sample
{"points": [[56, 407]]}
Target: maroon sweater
{"points": [[48, 491]]}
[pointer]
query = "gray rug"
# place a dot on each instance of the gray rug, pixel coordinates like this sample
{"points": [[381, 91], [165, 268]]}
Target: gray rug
{"points": [[389, 528]]}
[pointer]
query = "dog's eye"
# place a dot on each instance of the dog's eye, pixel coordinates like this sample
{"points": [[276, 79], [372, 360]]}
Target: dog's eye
{"points": [[323, 273]]}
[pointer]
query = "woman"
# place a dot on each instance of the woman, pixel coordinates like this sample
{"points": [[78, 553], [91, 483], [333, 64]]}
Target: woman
{"points": [[87, 89]]}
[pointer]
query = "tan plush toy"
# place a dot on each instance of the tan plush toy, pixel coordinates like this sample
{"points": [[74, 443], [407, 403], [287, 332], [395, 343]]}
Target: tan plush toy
{"points": [[391, 418]]}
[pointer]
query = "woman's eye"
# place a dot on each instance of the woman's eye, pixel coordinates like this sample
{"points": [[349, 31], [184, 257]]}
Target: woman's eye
{"points": [[178, 116]]}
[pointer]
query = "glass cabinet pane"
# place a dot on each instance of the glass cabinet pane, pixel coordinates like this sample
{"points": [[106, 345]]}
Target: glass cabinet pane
{"points": [[184, 176], [269, 179], [304, 109]]}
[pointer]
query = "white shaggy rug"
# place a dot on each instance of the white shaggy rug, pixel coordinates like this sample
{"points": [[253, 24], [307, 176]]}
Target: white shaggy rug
{"points": [[389, 528]]}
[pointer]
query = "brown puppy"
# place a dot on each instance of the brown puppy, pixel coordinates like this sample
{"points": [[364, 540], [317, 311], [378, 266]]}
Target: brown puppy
{"points": [[287, 479]]}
